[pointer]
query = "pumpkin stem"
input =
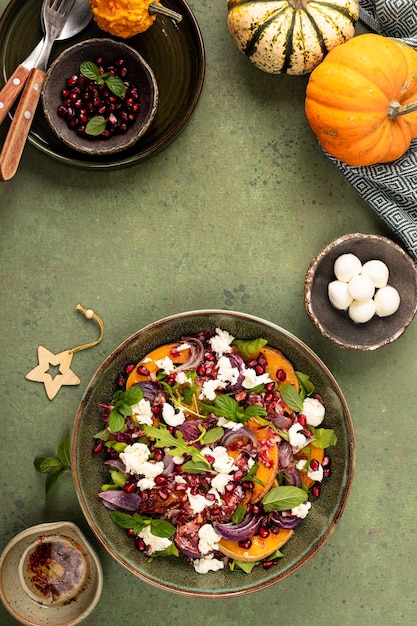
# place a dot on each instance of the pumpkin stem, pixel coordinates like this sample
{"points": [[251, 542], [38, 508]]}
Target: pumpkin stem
{"points": [[395, 109], [156, 8]]}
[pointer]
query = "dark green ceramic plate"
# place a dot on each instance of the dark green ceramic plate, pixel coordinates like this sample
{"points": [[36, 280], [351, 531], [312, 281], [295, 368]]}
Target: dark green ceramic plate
{"points": [[173, 574], [175, 52]]}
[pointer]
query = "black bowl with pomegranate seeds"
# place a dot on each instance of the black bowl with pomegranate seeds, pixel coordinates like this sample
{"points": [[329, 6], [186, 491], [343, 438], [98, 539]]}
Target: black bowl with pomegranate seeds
{"points": [[105, 109]]}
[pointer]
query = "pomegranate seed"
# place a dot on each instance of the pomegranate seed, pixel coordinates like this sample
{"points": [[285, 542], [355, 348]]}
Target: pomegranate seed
{"points": [[144, 495], [270, 386], [71, 81], [314, 464], [131, 532], [326, 462], [129, 487], [157, 410], [302, 420], [159, 455], [201, 370], [263, 532], [252, 363], [256, 509], [210, 458], [171, 380], [245, 544], [316, 490], [237, 476], [160, 480], [281, 375], [268, 397], [230, 487], [164, 494], [99, 446], [120, 381], [268, 564], [215, 511], [142, 370], [259, 369], [129, 369], [140, 544], [326, 472], [181, 487], [262, 360]]}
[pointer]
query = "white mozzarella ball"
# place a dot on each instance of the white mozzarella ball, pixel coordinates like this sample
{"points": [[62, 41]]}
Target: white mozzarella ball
{"points": [[387, 301], [346, 267], [377, 271], [361, 287], [361, 311], [339, 295]]}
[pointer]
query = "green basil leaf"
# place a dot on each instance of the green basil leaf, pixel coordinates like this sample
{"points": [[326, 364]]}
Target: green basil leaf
{"points": [[248, 347], [283, 498], [212, 435], [64, 454], [116, 421], [291, 397], [162, 528], [133, 395], [228, 407], [239, 514], [253, 410], [96, 126]]}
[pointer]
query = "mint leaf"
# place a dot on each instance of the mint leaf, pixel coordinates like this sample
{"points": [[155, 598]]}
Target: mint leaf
{"points": [[53, 466], [212, 435], [90, 70], [239, 514], [162, 528], [291, 397], [116, 421], [135, 522], [96, 126], [195, 467], [248, 347], [306, 386], [116, 85], [254, 410], [283, 498], [64, 454], [52, 477]]}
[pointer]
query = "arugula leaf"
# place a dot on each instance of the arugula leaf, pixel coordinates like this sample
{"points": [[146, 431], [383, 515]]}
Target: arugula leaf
{"points": [[248, 347], [246, 567], [177, 446], [54, 467], [119, 480], [283, 498], [291, 397]]}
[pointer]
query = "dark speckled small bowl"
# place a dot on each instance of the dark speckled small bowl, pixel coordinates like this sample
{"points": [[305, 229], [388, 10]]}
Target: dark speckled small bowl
{"points": [[68, 64], [336, 325], [175, 574]]}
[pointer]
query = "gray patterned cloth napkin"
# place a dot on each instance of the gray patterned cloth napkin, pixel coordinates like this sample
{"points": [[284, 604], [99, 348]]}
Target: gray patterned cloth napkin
{"points": [[391, 188]]}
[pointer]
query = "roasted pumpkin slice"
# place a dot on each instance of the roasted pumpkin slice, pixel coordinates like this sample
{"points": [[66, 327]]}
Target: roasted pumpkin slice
{"points": [[149, 361], [260, 549], [278, 363], [318, 455]]}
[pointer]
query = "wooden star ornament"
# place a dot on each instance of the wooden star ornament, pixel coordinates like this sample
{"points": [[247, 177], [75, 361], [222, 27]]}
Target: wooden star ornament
{"points": [[62, 361]]}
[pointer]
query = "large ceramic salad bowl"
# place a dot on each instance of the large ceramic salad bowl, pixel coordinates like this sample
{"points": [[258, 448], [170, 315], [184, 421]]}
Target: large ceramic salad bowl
{"points": [[174, 573]]}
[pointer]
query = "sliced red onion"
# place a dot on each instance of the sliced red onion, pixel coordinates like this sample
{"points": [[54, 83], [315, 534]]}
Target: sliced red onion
{"points": [[234, 435], [238, 532], [287, 521], [120, 500], [187, 542], [293, 478], [286, 457], [196, 356], [237, 362], [281, 421], [169, 464]]}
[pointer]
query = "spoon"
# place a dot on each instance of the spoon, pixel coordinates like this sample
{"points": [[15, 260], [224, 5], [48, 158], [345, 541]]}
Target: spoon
{"points": [[77, 20]]}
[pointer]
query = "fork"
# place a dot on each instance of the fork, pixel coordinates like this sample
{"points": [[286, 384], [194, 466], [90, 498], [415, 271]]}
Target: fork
{"points": [[55, 13]]}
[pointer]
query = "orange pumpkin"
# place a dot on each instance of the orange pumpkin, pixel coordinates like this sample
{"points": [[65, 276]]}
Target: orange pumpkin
{"points": [[361, 101]]}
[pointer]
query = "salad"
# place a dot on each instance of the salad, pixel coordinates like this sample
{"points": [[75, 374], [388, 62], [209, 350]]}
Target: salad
{"points": [[215, 450]]}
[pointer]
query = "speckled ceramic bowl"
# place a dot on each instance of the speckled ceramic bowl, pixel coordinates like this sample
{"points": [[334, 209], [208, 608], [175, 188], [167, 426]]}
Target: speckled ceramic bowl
{"points": [[336, 325], [174, 574], [25, 602], [68, 64]]}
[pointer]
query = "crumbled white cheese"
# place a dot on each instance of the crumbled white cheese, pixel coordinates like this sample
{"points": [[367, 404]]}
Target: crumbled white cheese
{"points": [[183, 379], [142, 412], [166, 365], [208, 539], [313, 411], [171, 416], [207, 564], [301, 464], [227, 373], [209, 388], [218, 484], [178, 460], [297, 439], [316, 475], [135, 458], [223, 463], [224, 423], [156, 544], [252, 379], [221, 342], [179, 479], [301, 510], [198, 502]]}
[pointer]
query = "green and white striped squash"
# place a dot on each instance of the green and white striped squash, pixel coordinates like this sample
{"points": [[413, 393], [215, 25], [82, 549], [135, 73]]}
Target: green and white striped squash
{"points": [[290, 36]]}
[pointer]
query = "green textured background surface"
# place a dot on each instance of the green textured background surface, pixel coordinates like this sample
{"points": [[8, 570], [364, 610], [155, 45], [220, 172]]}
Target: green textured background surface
{"points": [[228, 216]]}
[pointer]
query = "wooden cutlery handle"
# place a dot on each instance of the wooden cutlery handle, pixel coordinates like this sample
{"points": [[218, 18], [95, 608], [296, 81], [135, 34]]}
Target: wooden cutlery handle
{"points": [[12, 89], [20, 126]]}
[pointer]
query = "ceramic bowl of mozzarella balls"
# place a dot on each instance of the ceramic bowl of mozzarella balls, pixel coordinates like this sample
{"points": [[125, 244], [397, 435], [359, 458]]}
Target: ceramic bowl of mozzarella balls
{"points": [[360, 291]]}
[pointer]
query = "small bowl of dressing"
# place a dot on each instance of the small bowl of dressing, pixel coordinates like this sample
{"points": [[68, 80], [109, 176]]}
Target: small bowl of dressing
{"points": [[50, 575]]}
